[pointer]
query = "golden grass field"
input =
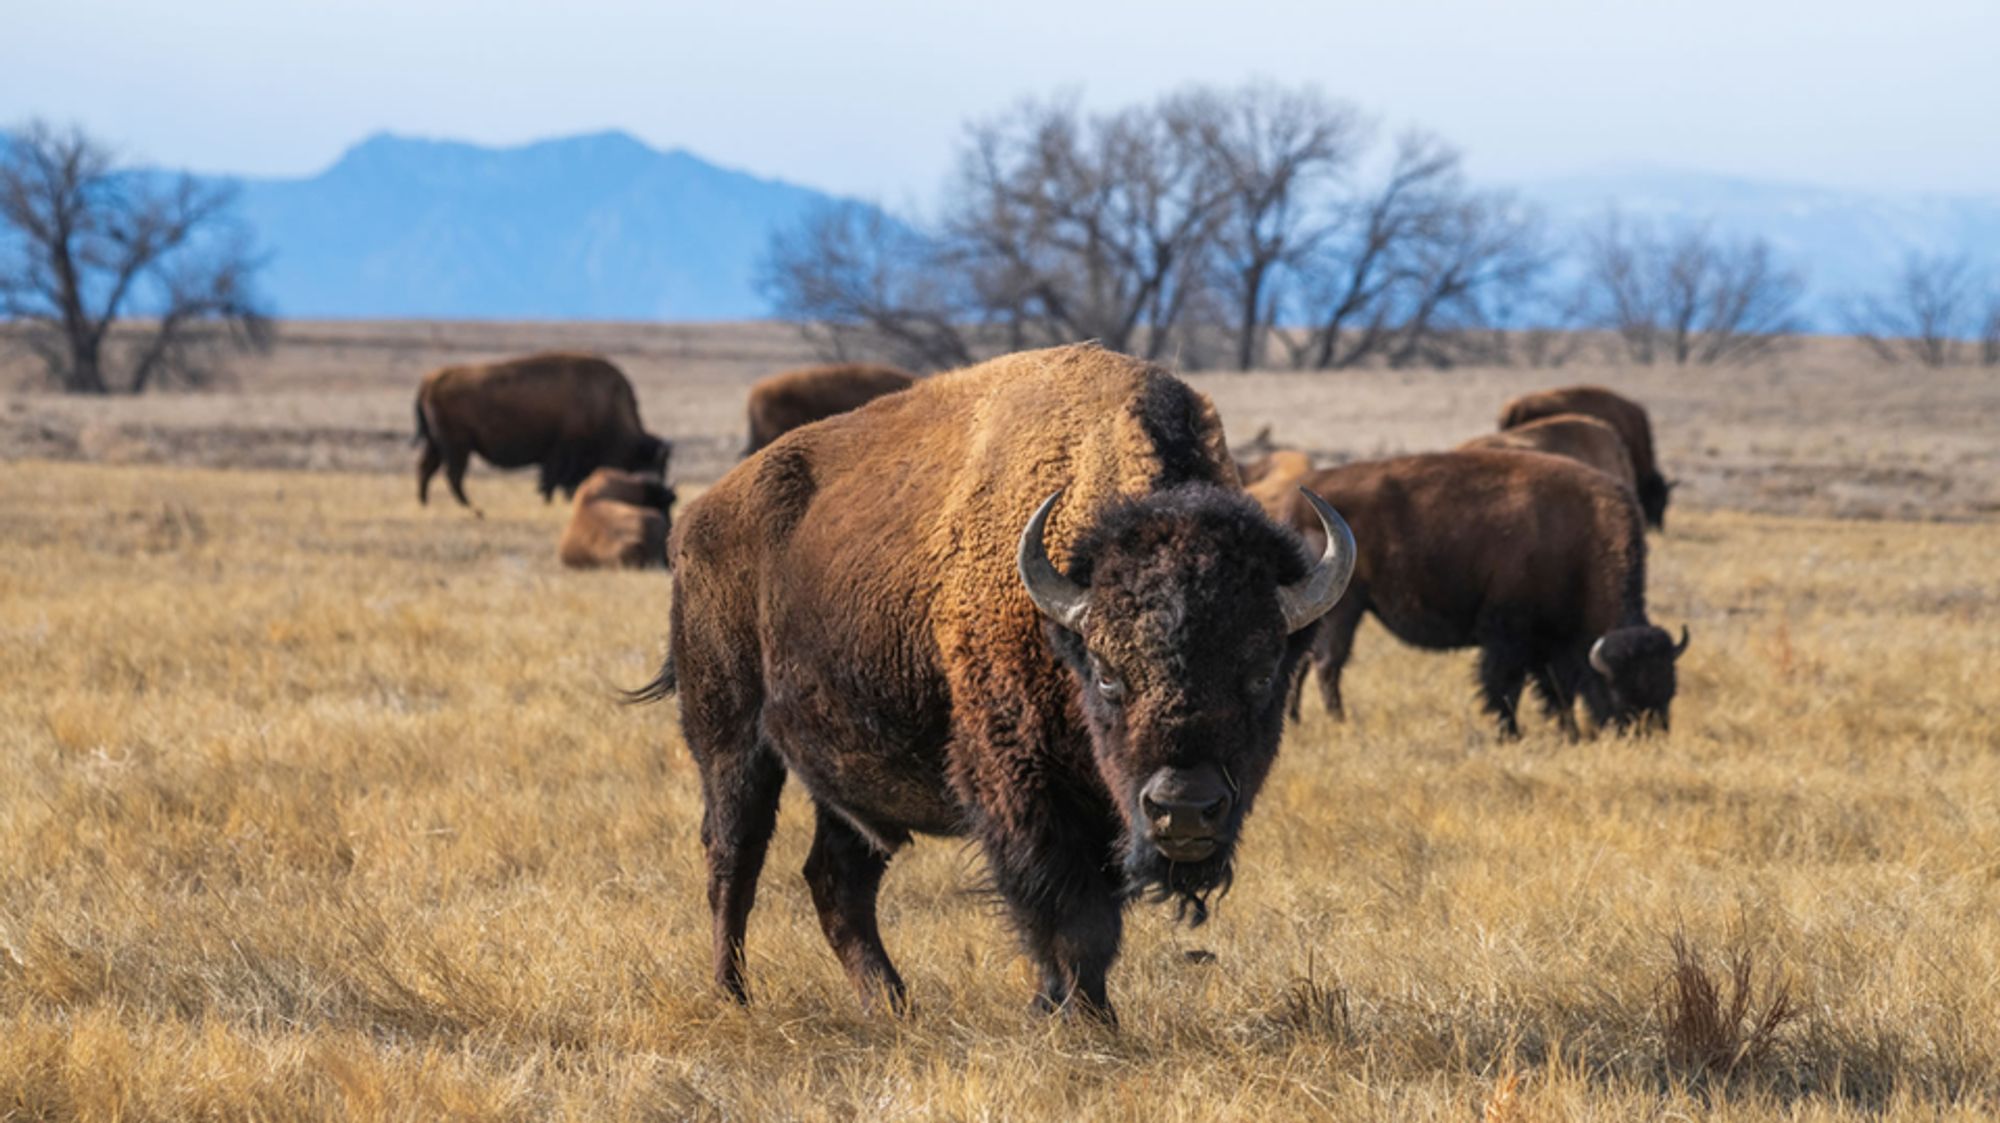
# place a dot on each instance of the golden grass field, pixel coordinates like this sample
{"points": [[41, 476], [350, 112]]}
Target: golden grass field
{"points": [[318, 804]]}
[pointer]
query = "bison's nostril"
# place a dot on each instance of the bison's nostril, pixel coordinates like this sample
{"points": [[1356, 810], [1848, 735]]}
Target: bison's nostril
{"points": [[1151, 807], [1214, 811]]}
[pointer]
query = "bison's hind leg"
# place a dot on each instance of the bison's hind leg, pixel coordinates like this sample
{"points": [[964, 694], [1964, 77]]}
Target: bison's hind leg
{"points": [[740, 785], [844, 872], [427, 466], [456, 460]]}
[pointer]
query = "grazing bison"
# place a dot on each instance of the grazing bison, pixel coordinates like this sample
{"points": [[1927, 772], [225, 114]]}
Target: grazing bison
{"points": [[571, 414], [618, 520], [783, 402], [1583, 439], [1622, 414], [1273, 479], [1023, 602], [1538, 561]]}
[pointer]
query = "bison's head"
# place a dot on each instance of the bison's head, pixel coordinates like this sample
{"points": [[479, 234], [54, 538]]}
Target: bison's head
{"points": [[1637, 667], [650, 455], [1182, 618]]}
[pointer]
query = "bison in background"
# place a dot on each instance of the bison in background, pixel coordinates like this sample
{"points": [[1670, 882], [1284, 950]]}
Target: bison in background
{"points": [[1538, 561], [618, 520], [1024, 602], [1583, 439], [570, 414], [783, 402], [1622, 414], [1273, 479]]}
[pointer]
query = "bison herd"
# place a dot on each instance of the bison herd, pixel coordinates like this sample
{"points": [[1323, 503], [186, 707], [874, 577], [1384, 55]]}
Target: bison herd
{"points": [[1037, 604]]}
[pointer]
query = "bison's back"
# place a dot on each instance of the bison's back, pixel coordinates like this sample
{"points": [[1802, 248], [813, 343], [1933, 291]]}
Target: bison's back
{"points": [[1579, 437], [1616, 410], [785, 401], [514, 411], [1447, 538]]}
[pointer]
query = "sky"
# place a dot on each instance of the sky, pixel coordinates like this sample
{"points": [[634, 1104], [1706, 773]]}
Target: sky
{"points": [[870, 98]]}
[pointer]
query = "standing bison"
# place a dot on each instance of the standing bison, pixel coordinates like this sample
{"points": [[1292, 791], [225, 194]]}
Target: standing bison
{"points": [[1538, 561], [1622, 414], [618, 520], [1024, 603], [783, 402], [571, 414], [1585, 440]]}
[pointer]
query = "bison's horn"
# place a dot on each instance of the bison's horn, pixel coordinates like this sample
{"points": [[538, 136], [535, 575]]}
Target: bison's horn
{"points": [[1597, 662], [1059, 598], [1315, 594], [1680, 648]]}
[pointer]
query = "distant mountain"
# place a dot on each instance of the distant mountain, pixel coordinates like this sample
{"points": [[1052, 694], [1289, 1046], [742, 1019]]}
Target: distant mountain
{"points": [[1844, 241], [587, 227]]}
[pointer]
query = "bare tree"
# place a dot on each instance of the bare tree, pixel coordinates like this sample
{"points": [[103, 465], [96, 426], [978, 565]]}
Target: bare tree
{"points": [[1355, 291], [1925, 315], [1282, 153], [1085, 228], [86, 246], [863, 283], [1989, 337], [1470, 262], [1689, 297]]}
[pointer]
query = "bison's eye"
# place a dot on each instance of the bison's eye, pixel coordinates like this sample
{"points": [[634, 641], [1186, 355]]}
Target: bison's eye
{"points": [[1261, 680], [1110, 687]]}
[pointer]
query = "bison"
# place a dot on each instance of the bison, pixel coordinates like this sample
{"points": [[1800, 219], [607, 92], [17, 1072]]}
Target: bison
{"points": [[783, 402], [618, 519], [1273, 478], [1023, 603], [1538, 561], [570, 414], [1581, 438], [1622, 414]]}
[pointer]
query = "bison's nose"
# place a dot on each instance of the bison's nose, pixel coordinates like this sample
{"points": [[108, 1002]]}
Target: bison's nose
{"points": [[1184, 811]]}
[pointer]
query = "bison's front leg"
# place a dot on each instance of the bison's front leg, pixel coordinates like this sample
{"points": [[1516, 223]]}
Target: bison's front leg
{"points": [[1068, 905]]}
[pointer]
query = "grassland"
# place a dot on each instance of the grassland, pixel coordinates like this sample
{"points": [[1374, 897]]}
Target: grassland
{"points": [[317, 804]]}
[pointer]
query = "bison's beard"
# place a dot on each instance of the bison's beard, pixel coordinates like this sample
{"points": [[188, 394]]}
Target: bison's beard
{"points": [[1151, 876]]}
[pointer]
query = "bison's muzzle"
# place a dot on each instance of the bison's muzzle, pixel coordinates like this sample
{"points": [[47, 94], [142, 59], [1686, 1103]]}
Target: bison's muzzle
{"points": [[1185, 812]]}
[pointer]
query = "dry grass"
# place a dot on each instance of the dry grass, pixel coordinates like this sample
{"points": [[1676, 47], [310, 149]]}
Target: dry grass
{"points": [[317, 804]]}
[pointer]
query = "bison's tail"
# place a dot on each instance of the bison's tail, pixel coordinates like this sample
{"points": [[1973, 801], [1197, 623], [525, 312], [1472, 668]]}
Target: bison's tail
{"points": [[659, 690], [423, 433]]}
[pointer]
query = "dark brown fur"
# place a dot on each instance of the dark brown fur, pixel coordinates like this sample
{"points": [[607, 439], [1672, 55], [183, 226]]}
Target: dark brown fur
{"points": [[846, 611], [1529, 558], [1583, 439], [618, 520], [570, 414], [1622, 414], [783, 402]]}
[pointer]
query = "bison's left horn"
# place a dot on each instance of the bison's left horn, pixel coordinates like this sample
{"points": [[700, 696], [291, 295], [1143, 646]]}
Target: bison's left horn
{"points": [[1059, 598], [1315, 594]]}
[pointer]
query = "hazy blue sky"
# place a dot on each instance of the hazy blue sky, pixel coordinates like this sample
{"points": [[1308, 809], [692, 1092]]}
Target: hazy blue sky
{"points": [[869, 97]]}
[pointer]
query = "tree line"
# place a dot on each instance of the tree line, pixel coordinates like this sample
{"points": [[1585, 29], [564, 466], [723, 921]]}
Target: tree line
{"points": [[1251, 227], [1274, 226]]}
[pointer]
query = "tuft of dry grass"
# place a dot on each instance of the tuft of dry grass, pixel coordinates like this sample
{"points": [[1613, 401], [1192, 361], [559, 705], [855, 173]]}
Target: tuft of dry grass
{"points": [[1717, 1030], [317, 804]]}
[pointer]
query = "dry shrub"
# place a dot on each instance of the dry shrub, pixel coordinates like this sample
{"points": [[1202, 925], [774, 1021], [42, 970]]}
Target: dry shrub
{"points": [[1712, 1030]]}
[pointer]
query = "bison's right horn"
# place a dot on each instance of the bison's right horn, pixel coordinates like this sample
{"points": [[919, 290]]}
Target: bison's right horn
{"points": [[1315, 594], [1058, 598], [1597, 662]]}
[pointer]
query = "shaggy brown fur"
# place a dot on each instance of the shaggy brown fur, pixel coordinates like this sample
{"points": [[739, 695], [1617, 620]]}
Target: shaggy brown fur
{"points": [[1583, 439], [618, 520], [846, 610], [570, 414], [1622, 414], [1273, 480], [783, 402], [1529, 558]]}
